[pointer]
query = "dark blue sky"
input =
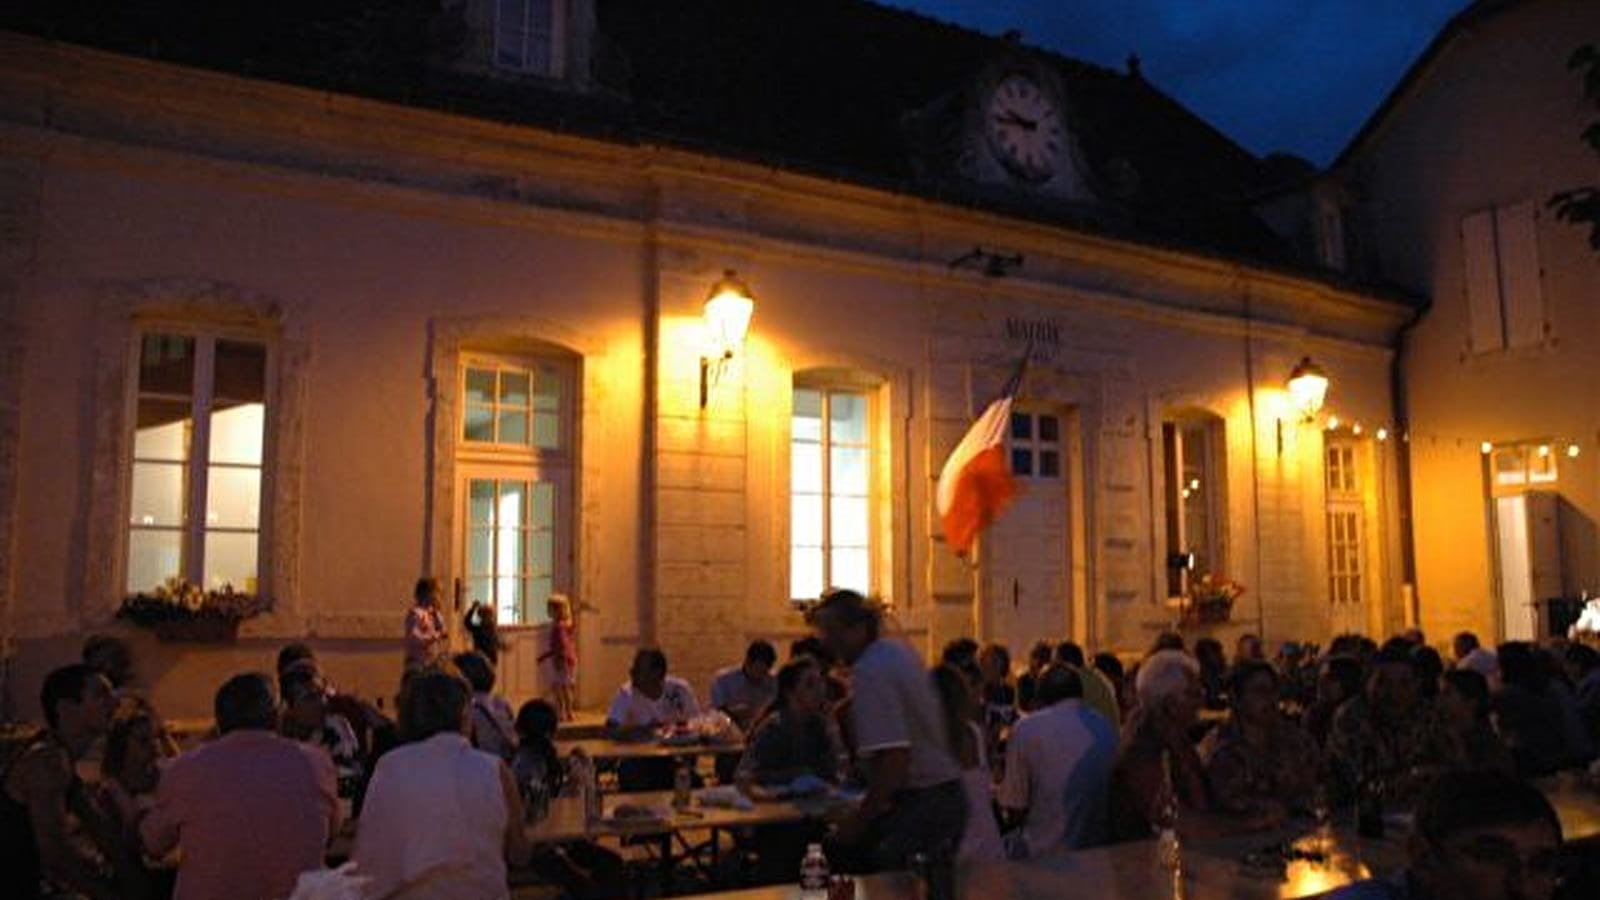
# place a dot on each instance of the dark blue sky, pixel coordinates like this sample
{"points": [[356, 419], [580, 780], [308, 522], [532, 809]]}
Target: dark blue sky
{"points": [[1295, 75]]}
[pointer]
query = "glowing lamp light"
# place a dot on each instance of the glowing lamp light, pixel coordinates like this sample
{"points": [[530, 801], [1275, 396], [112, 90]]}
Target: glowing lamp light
{"points": [[1308, 388], [1486, 447], [1544, 450], [1572, 451], [726, 320], [1333, 423], [1383, 434]]}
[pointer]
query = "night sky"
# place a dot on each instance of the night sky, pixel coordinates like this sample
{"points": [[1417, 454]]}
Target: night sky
{"points": [[1295, 75]]}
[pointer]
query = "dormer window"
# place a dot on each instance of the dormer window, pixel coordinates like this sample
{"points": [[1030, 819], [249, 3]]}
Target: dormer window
{"points": [[529, 36]]}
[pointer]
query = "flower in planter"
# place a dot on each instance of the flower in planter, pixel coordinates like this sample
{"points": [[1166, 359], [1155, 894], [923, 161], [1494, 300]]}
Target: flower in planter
{"points": [[178, 599], [1211, 598]]}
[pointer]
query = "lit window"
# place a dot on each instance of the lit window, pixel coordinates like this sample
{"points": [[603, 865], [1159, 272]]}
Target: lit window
{"points": [[1035, 445], [1192, 451], [1517, 466], [516, 475], [198, 451], [527, 36], [830, 464], [1345, 512]]}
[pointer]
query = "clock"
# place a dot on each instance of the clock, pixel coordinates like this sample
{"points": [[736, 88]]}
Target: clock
{"points": [[1022, 123]]}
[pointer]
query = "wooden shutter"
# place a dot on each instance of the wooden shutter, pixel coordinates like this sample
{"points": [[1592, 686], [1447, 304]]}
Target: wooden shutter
{"points": [[1486, 327], [1520, 292]]}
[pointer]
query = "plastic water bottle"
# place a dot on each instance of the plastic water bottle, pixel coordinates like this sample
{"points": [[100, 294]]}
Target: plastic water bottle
{"points": [[682, 786], [814, 873]]}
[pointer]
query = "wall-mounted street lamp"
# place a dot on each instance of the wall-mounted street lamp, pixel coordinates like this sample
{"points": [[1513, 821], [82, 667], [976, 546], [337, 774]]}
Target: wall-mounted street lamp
{"points": [[726, 320], [1308, 388]]}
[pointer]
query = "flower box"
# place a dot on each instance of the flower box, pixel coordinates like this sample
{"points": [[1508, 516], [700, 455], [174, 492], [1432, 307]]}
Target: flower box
{"points": [[180, 612], [1210, 601], [197, 630]]}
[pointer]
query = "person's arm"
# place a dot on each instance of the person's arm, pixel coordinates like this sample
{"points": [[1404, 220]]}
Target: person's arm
{"points": [[42, 779], [619, 724], [518, 847]]}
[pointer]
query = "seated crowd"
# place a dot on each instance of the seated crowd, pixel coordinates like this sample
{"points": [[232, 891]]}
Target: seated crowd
{"points": [[973, 760]]}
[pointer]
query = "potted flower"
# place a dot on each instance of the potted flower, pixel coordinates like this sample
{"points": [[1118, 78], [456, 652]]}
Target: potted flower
{"points": [[1210, 600], [178, 610]]}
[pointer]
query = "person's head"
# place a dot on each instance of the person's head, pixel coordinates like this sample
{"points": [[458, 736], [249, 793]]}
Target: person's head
{"points": [[1042, 653], [1463, 698], [1248, 647], [802, 691], [76, 700], [537, 722], [246, 702], [1429, 665], [759, 658], [1464, 643], [1059, 682], [426, 592], [960, 652], [1168, 685], [810, 646], [305, 699], [476, 669], [1485, 835], [1414, 636], [1111, 667], [1208, 653], [434, 701], [111, 656], [1339, 680], [847, 623], [994, 661], [1392, 682], [295, 654], [649, 672], [559, 608], [133, 746], [1253, 689], [1070, 653], [960, 708], [1168, 640]]}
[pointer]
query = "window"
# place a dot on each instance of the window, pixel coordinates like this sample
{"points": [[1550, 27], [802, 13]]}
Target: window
{"points": [[516, 461], [1345, 512], [1192, 451], [1515, 467], [1035, 445], [527, 36], [830, 464], [1505, 305], [198, 451]]}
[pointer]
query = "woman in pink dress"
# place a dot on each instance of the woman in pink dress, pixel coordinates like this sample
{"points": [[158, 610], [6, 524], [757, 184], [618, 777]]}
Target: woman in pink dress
{"points": [[563, 656], [426, 637]]}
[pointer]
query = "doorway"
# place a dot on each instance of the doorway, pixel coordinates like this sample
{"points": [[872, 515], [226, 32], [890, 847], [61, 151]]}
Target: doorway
{"points": [[1026, 554]]}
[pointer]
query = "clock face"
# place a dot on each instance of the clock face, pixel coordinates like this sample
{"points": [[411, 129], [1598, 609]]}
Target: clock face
{"points": [[1024, 128]]}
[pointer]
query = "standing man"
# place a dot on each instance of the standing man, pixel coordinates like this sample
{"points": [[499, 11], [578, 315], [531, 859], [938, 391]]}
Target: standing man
{"points": [[249, 811], [42, 795], [1058, 771], [914, 802]]}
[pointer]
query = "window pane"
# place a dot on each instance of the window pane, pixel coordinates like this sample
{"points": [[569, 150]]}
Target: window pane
{"points": [[805, 573], [546, 431], [480, 552], [1049, 429], [537, 592], [541, 554], [241, 372], [1510, 465], [1542, 466], [1022, 462], [807, 422], [166, 364], [849, 472], [231, 560], [480, 386], [850, 569], [847, 414], [233, 497], [1021, 427], [513, 504], [547, 390], [237, 434], [508, 597], [851, 521], [481, 588], [153, 557], [514, 388], [544, 505], [480, 505], [805, 468], [805, 523], [158, 494], [479, 423], [1050, 464], [513, 427], [163, 429]]}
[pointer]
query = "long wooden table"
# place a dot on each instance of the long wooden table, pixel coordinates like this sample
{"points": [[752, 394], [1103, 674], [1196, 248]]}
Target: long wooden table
{"points": [[602, 748]]}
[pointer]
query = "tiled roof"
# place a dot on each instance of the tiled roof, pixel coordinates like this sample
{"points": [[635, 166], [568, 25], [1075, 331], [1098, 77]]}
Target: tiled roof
{"points": [[822, 86]]}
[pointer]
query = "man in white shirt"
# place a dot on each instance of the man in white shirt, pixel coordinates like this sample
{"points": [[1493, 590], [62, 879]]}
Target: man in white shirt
{"points": [[914, 802], [1058, 770], [745, 691], [651, 699]]}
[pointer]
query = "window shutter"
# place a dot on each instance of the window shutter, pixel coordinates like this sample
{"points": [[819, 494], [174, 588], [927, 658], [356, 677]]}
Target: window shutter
{"points": [[1516, 232], [1486, 327]]}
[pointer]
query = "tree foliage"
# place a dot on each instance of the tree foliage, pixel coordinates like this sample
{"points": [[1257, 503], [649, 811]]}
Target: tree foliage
{"points": [[1581, 205]]}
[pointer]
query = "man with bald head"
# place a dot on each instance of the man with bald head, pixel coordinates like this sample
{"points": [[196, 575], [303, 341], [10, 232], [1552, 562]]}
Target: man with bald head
{"points": [[1058, 770]]}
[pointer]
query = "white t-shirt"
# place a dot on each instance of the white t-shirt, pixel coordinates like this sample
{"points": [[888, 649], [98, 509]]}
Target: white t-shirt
{"points": [[1058, 768], [676, 705], [894, 705]]}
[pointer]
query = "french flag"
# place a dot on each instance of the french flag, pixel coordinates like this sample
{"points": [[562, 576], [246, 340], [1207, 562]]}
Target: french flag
{"points": [[975, 485]]}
